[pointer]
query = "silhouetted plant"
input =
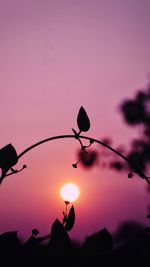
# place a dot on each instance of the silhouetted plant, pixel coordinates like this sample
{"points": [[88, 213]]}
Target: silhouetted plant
{"points": [[135, 112], [9, 157]]}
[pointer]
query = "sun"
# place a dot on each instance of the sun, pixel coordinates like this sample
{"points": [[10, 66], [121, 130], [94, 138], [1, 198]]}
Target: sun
{"points": [[69, 192]]}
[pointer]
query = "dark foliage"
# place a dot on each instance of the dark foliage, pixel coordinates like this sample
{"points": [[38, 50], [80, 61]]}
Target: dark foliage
{"points": [[135, 112], [129, 246], [88, 159], [117, 165], [98, 243]]}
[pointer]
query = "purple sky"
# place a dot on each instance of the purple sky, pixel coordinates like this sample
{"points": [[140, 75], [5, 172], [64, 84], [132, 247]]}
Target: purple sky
{"points": [[54, 57]]}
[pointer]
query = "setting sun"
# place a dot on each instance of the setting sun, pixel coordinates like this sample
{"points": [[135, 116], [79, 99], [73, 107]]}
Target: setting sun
{"points": [[69, 192]]}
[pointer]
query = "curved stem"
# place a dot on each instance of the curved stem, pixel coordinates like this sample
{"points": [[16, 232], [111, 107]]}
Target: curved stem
{"points": [[136, 169], [72, 136]]}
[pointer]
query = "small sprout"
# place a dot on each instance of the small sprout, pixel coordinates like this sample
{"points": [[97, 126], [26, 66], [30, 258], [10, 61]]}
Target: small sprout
{"points": [[91, 141], [130, 175], [74, 165], [74, 131], [24, 166]]}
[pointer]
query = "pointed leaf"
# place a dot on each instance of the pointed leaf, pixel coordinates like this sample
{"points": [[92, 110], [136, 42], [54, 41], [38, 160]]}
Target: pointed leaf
{"points": [[59, 236], [8, 158], [70, 220], [83, 120]]}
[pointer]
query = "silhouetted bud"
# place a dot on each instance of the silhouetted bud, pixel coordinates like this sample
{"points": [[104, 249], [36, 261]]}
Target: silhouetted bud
{"points": [[74, 165], [35, 231]]}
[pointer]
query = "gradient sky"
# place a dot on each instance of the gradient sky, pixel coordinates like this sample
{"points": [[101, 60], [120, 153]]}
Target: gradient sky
{"points": [[54, 57]]}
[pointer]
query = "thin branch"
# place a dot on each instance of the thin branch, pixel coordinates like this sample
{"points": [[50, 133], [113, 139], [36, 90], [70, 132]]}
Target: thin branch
{"points": [[136, 168]]}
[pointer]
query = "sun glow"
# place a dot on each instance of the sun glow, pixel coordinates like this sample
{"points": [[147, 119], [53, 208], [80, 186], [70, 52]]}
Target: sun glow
{"points": [[69, 192]]}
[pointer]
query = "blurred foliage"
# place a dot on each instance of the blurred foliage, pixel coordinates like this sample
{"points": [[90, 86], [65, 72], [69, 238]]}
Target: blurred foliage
{"points": [[135, 113]]}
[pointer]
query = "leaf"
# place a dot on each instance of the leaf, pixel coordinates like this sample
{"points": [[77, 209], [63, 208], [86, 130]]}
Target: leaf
{"points": [[83, 120], [70, 219], [59, 236], [8, 158]]}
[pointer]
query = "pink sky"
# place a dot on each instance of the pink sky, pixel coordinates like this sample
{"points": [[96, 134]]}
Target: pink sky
{"points": [[54, 57]]}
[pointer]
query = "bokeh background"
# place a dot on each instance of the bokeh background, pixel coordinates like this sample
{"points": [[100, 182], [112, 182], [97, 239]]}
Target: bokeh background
{"points": [[54, 57]]}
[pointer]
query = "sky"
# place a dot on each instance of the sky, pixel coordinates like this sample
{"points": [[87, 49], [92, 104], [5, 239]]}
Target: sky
{"points": [[56, 56]]}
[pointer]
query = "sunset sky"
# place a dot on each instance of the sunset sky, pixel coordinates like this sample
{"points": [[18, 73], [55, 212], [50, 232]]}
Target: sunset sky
{"points": [[55, 56]]}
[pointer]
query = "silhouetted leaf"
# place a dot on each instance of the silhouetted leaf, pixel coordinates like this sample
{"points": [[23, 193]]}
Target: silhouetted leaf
{"points": [[70, 219], [8, 158], [59, 236], [83, 120]]}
